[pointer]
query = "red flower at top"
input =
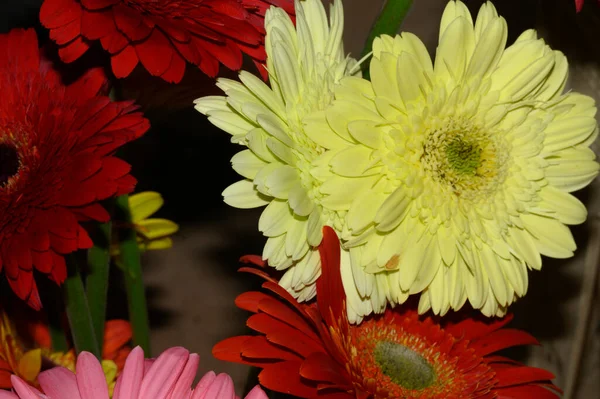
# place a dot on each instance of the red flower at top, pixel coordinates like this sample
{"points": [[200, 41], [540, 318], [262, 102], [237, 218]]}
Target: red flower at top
{"points": [[161, 34], [579, 4], [314, 352], [56, 162]]}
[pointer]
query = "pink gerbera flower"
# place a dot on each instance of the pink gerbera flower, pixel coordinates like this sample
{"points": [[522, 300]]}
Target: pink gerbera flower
{"points": [[170, 376]]}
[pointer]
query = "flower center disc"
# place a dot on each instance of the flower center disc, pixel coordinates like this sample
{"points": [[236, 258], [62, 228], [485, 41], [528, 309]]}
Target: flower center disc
{"points": [[9, 162], [404, 366], [463, 157]]}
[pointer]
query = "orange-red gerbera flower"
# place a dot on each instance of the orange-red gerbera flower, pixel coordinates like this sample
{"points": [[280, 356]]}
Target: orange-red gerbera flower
{"points": [[56, 161], [314, 352], [161, 34]]}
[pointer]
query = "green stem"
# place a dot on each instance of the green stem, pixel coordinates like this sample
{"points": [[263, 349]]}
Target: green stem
{"points": [[96, 283], [132, 269], [59, 341], [78, 311], [388, 23]]}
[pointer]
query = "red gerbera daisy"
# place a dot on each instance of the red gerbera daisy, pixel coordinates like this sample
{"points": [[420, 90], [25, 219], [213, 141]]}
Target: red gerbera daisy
{"points": [[161, 34], [313, 351], [56, 162]]}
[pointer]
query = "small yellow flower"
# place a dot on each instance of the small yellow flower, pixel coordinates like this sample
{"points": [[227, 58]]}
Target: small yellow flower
{"points": [[152, 233], [68, 360], [460, 169], [285, 165]]}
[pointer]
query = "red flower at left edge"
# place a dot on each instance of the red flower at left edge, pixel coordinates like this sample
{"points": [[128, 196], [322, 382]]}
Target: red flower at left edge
{"points": [[56, 161]]}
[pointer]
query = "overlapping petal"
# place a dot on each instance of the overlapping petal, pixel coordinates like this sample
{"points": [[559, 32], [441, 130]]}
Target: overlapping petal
{"points": [[161, 35]]}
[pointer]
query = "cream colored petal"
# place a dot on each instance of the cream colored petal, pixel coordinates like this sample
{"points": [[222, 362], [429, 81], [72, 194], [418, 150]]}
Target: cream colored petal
{"points": [[275, 127], [454, 51], [384, 77], [571, 174], [488, 50], [318, 130], [555, 84], [486, 15], [393, 210], [341, 191], [363, 210], [205, 105], [283, 153], [276, 219], [552, 238], [413, 82], [314, 228], [367, 132], [524, 247], [299, 201], [567, 132], [453, 11], [296, 245], [353, 161], [412, 259], [409, 43], [257, 142], [280, 182], [567, 209], [243, 195], [247, 164], [263, 92]]}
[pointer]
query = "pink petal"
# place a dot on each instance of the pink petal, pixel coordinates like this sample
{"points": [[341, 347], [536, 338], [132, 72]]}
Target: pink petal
{"points": [[23, 389], [204, 383], [256, 393], [220, 388], [183, 386], [147, 363], [130, 381], [163, 374], [7, 395], [90, 377], [58, 383]]}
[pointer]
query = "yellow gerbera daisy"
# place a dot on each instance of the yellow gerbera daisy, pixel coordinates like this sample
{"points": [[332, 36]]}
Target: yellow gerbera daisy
{"points": [[283, 166], [461, 168]]}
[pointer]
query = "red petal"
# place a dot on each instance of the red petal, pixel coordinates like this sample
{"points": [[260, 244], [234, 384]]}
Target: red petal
{"points": [[254, 259], [330, 291], [59, 271], [285, 377], [131, 23], [124, 62], [176, 70], [56, 13], [155, 53], [502, 339], [472, 328], [322, 368], [260, 348], [114, 43], [73, 50], [579, 5], [89, 85], [97, 24], [230, 350], [511, 376], [66, 33], [98, 4], [284, 335], [526, 392]]}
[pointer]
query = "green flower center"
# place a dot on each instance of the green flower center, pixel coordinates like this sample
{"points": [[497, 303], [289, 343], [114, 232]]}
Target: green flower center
{"points": [[403, 365], [463, 157], [9, 162]]}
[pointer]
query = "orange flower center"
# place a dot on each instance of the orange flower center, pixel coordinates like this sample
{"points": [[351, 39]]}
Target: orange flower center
{"points": [[403, 357]]}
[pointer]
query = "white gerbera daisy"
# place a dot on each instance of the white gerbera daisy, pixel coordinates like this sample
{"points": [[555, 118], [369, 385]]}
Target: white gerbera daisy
{"points": [[461, 168], [283, 166]]}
